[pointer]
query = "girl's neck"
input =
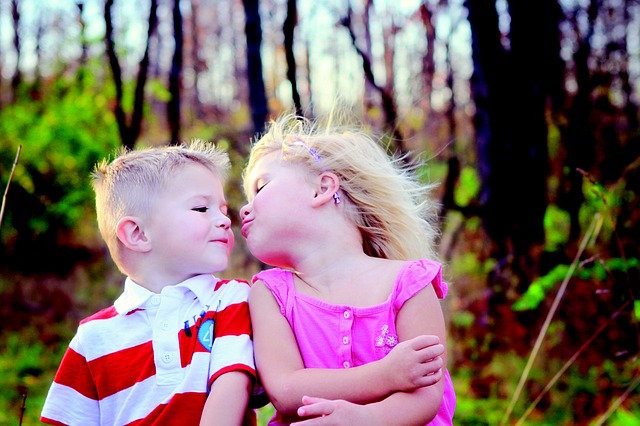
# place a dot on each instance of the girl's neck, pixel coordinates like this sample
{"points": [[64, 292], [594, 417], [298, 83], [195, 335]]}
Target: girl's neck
{"points": [[356, 281]]}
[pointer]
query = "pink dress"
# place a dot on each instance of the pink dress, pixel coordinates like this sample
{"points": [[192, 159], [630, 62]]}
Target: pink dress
{"points": [[341, 336]]}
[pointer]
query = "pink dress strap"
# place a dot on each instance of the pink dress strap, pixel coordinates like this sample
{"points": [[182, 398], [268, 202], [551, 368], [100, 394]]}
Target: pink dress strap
{"points": [[278, 282]]}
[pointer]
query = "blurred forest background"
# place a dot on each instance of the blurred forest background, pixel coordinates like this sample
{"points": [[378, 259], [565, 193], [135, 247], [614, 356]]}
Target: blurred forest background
{"points": [[527, 113]]}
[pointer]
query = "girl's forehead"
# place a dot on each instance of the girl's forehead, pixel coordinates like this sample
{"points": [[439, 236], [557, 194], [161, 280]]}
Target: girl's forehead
{"points": [[276, 162], [270, 161]]}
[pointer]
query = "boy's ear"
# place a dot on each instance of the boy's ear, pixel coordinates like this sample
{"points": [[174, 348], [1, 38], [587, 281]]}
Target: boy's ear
{"points": [[329, 185], [131, 234]]}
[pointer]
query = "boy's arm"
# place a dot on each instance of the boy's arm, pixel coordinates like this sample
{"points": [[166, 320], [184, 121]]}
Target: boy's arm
{"points": [[228, 400], [285, 379], [72, 397], [420, 314]]}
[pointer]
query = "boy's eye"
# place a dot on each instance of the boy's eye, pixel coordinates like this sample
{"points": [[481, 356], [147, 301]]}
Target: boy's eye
{"points": [[259, 188], [200, 209]]}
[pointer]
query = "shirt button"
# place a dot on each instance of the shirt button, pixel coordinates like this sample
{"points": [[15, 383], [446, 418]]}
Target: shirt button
{"points": [[155, 300], [346, 364], [345, 340], [166, 358], [347, 314], [164, 326]]}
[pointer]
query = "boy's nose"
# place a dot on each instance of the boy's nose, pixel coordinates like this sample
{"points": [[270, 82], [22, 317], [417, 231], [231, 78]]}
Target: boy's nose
{"points": [[224, 222], [244, 211]]}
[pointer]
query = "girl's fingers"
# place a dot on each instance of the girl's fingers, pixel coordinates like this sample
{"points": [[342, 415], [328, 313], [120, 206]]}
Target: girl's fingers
{"points": [[315, 407]]}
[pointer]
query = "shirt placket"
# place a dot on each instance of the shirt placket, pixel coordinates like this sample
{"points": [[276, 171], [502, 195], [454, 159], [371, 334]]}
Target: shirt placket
{"points": [[166, 347], [346, 338]]}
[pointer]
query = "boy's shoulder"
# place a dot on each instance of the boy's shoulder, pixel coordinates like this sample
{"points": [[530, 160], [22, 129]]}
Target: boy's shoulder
{"points": [[231, 282], [103, 314]]}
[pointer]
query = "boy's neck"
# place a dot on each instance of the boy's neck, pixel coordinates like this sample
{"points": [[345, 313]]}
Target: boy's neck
{"points": [[155, 284]]}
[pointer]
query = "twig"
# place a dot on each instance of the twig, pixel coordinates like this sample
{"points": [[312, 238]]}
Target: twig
{"points": [[616, 404], [24, 391], [569, 362], [583, 244], [6, 190]]}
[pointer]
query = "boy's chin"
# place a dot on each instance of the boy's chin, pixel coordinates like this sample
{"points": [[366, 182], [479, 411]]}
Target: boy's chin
{"points": [[213, 267]]}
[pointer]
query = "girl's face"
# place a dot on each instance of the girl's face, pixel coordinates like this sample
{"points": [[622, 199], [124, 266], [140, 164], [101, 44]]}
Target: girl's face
{"points": [[189, 227], [278, 211]]}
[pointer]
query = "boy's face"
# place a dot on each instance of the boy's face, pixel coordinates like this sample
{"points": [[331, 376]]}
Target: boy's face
{"points": [[188, 226]]}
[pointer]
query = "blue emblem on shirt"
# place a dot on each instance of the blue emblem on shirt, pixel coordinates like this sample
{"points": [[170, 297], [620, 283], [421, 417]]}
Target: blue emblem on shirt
{"points": [[205, 334]]}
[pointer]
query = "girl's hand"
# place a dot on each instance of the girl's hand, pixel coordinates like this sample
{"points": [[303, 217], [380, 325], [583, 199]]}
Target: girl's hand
{"points": [[325, 412], [414, 363]]}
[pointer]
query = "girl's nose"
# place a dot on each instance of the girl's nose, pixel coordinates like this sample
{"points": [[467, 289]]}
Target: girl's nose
{"points": [[244, 211]]}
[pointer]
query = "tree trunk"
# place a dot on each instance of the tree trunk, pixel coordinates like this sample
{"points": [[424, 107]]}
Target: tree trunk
{"points": [[82, 72], [257, 95], [388, 102], [511, 131], [196, 59], [289, 30], [35, 89], [16, 79], [129, 132], [175, 75], [630, 108], [532, 57], [428, 61], [307, 45], [389, 43], [366, 23], [577, 140]]}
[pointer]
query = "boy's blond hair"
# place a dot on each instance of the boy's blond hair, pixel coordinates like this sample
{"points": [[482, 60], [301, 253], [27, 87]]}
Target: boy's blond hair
{"points": [[382, 195], [130, 183]]}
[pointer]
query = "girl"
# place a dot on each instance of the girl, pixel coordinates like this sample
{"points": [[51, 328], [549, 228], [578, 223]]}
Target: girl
{"points": [[347, 229]]}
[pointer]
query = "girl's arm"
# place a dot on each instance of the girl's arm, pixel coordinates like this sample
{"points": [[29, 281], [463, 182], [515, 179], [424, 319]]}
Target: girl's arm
{"points": [[227, 402], [419, 315], [279, 364]]}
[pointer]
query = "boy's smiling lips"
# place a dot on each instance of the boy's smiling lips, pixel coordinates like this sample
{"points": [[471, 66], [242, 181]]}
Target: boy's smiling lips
{"points": [[223, 240]]}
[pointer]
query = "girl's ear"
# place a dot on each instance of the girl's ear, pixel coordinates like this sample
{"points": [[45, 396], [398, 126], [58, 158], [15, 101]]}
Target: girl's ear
{"points": [[130, 233], [329, 185]]}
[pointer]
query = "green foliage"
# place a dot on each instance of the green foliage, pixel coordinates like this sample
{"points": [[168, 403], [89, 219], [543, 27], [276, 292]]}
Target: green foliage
{"points": [[598, 200], [538, 289], [62, 138], [264, 414], [557, 223], [159, 90], [29, 365], [471, 410], [468, 187], [432, 172], [598, 271], [623, 417], [463, 319]]}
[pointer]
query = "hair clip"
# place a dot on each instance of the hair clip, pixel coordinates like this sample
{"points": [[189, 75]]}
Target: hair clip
{"points": [[312, 151], [316, 156]]}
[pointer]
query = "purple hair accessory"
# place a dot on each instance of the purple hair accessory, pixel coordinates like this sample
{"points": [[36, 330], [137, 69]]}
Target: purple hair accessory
{"points": [[316, 156], [312, 151]]}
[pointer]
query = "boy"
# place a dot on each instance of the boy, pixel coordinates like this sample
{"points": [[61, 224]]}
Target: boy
{"points": [[177, 332]]}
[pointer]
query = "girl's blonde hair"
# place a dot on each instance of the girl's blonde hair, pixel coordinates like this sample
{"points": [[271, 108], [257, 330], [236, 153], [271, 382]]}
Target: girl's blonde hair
{"points": [[130, 183], [381, 194]]}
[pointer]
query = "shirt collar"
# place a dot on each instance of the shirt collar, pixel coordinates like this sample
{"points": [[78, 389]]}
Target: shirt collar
{"points": [[135, 296]]}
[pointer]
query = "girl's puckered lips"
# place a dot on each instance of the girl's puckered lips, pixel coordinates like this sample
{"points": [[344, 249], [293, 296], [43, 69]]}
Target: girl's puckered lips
{"points": [[245, 227]]}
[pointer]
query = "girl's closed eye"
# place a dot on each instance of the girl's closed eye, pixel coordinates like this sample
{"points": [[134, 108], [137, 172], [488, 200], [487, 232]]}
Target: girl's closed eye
{"points": [[259, 187], [202, 209]]}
